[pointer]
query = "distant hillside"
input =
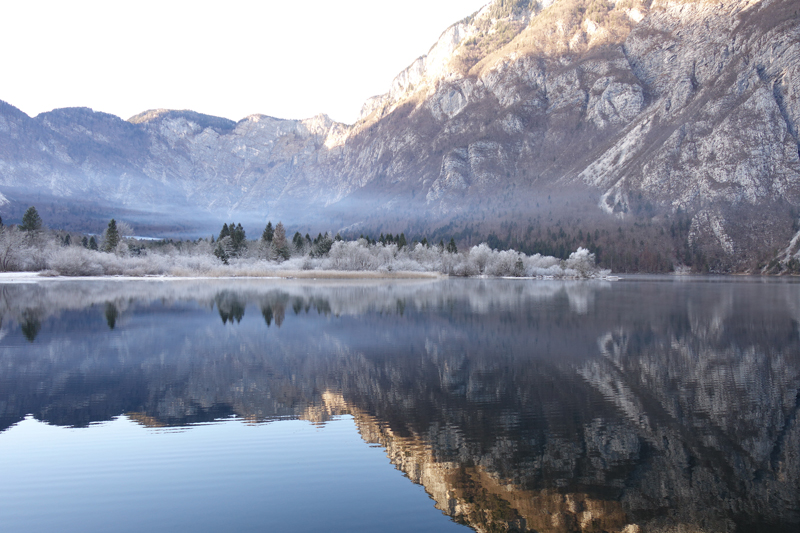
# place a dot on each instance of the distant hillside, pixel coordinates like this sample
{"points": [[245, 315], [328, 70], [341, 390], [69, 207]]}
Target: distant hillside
{"points": [[656, 133]]}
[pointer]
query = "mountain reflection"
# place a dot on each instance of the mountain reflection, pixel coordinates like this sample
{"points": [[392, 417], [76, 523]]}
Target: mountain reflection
{"points": [[518, 405]]}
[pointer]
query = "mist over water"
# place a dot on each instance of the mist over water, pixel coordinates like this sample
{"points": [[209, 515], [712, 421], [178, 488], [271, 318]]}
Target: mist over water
{"points": [[651, 403]]}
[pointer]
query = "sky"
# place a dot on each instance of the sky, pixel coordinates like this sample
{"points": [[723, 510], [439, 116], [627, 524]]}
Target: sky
{"points": [[231, 59]]}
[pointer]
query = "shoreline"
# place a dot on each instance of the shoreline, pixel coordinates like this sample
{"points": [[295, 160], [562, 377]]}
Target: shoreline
{"points": [[32, 277], [310, 275]]}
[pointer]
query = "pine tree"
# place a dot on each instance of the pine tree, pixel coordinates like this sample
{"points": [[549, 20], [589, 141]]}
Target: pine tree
{"points": [[220, 252], [401, 241], [224, 232], [451, 246], [112, 237], [297, 240], [237, 238], [93, 243], [322, 245], [31, 221], [268, 233]]}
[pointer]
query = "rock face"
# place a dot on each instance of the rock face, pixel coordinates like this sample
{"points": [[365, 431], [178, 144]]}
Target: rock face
{"points": [[559, 113]]}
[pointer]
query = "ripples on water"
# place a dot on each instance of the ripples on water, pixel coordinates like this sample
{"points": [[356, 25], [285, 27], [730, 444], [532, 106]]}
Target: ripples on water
{"points": [[643, 405]]}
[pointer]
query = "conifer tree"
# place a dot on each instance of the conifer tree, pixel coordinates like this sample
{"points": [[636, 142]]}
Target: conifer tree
{"points": [[268, 233], [93, 243], [237, 237], [220, 252], [451, 246], [112, 237], [297, 240], [224, 232], [31, 221], [322, 245]]}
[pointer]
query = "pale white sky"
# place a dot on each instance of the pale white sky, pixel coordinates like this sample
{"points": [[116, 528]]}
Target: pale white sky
{"points": [[229, 58]]}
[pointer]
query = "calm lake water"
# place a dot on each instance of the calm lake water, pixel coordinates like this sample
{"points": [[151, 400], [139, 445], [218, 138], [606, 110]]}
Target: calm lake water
{"points": [[648, 404]]}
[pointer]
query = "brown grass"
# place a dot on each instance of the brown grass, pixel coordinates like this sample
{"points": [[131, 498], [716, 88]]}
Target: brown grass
{"points": [[306, 274]]}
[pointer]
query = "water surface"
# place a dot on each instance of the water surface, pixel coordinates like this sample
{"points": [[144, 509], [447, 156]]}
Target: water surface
{"points": [[650, 404]]}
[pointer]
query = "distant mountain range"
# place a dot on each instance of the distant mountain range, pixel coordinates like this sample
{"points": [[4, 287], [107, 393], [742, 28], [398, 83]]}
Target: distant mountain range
{"points": [[657, 133]]}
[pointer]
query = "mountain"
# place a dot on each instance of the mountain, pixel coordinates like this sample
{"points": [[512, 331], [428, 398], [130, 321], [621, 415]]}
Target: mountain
{"points": [[658, 134]]}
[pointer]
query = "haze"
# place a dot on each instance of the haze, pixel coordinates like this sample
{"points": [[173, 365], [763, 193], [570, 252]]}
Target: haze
{"points": [[284, 59]]}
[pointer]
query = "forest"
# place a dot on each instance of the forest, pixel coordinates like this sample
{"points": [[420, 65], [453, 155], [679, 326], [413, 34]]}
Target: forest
{"points": [[31, 246]]}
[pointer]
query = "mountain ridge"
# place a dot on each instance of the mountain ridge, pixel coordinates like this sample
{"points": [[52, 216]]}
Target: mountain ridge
{"points": [[524, 120]]}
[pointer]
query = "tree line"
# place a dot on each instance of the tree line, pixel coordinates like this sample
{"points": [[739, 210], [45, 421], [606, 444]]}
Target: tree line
{"points": [[29, 246]]}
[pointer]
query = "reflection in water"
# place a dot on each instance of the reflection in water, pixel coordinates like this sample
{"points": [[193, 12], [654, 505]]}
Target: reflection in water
{"points": [[520, 406], [111, 315], [230, 307], [30, 324]]}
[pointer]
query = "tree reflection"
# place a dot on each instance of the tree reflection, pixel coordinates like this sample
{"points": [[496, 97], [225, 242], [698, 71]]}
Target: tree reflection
{"points": [[111, 315], [519, 406], [266, 312], [30, 324], [230, 307]]}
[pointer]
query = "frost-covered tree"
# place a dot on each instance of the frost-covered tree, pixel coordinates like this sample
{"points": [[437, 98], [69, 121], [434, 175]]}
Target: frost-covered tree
{"points": [[220, 251], [124, 229], [322, 245], [279, 243], [11, 242], [480, 256]]}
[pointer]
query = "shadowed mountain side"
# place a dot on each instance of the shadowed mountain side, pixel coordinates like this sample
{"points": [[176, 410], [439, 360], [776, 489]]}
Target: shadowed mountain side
{"points": [[658, 134]]}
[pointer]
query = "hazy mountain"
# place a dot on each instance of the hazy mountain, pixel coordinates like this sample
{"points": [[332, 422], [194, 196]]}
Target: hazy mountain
{"points": [[658, 133]]}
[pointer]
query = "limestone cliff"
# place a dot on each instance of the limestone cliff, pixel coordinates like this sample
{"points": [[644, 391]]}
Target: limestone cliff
{"points": [[574, 115]]}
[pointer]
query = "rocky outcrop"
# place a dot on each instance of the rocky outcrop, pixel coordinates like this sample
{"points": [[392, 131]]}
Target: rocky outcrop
{"points": [[556, 113]]}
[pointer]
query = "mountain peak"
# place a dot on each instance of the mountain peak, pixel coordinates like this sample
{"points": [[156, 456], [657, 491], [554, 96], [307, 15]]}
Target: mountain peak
{"points": [[219, 124]]}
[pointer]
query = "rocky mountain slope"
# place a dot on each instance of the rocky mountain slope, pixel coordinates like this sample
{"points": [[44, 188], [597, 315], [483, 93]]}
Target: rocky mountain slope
{"points": [[658, 133]]}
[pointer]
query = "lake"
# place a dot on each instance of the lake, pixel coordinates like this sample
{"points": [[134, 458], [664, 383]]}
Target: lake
{"points": [[646, 404]]}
